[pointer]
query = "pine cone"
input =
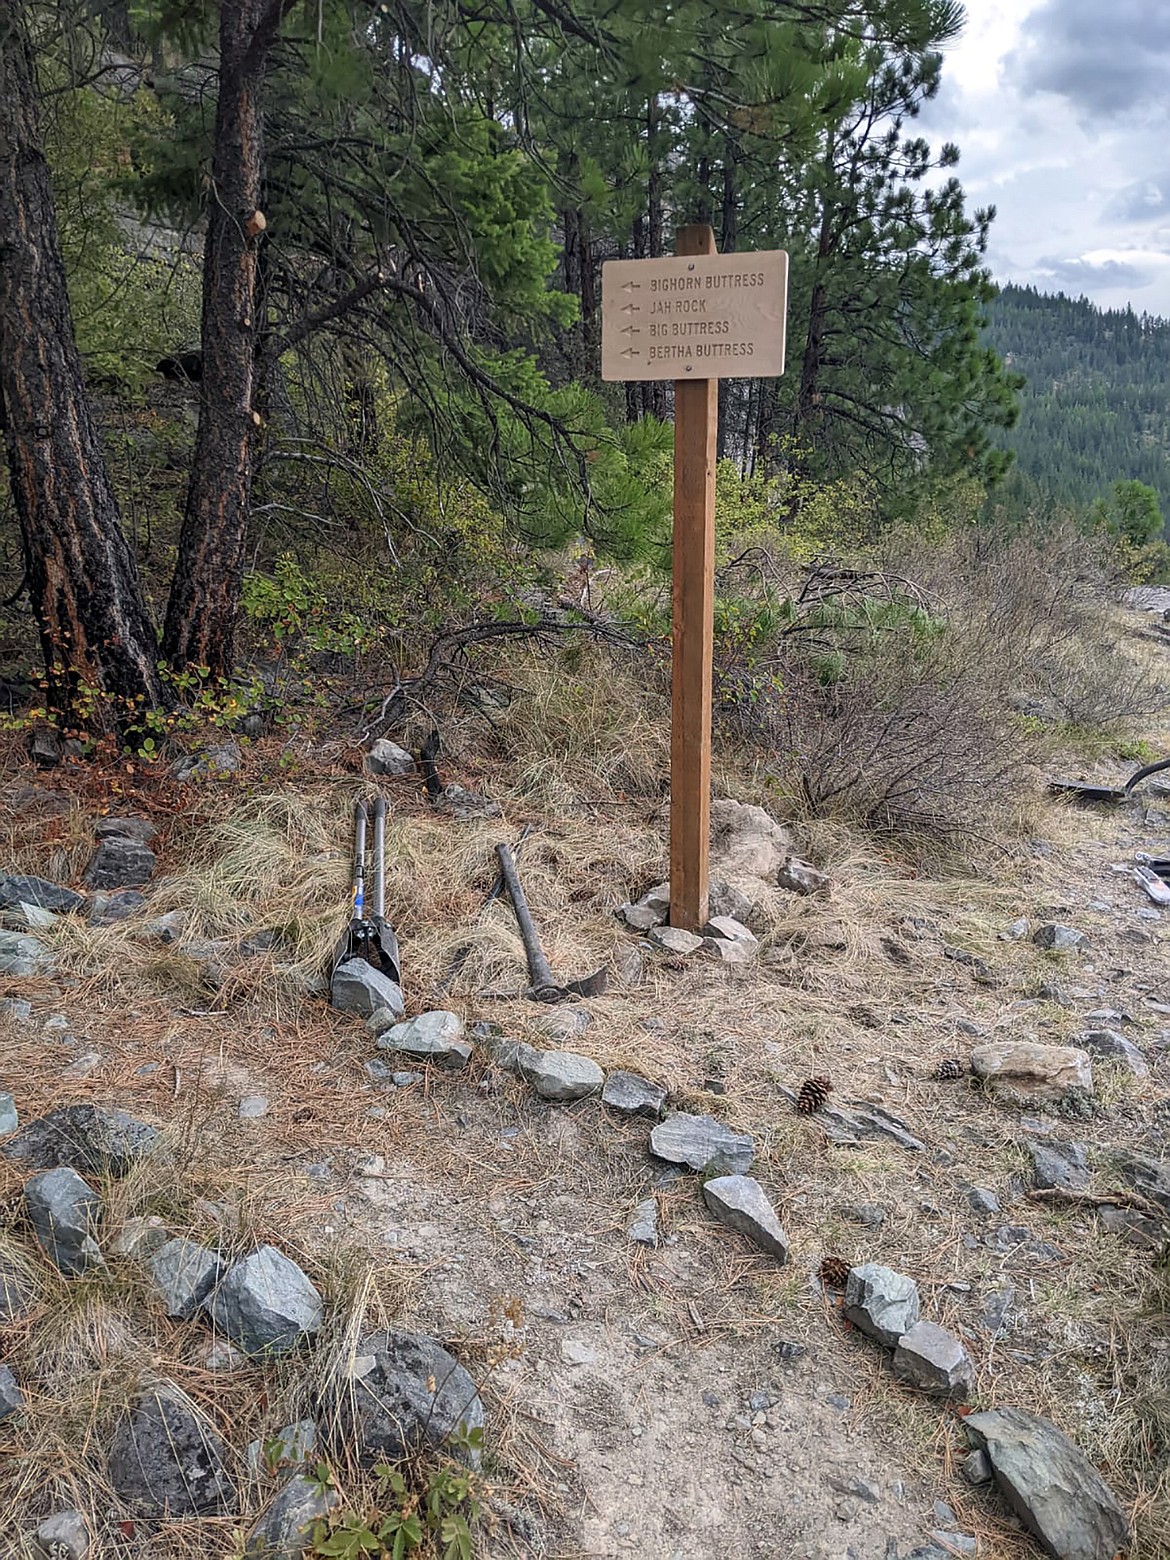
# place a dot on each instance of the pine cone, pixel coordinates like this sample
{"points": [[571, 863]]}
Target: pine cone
{"points": [[834, 1272], [813, 1096], [950, 1067]]}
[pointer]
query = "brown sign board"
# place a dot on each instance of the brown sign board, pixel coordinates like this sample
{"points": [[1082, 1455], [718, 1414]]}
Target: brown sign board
{"points": [[694, 316]]}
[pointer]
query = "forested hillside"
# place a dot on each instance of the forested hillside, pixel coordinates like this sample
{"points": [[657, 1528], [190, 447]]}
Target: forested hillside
{"points": [[1094, 408]]}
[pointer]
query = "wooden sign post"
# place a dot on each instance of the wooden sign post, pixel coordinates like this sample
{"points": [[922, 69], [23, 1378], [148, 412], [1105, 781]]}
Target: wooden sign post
{"points": [[697, 318]]}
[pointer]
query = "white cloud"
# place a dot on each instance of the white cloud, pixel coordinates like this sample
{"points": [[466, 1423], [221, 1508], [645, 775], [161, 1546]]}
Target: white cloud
{"points": [[1057, 110]]}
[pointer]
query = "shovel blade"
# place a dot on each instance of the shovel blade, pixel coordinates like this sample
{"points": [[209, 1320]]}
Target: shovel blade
{"points": [[590, 985]]}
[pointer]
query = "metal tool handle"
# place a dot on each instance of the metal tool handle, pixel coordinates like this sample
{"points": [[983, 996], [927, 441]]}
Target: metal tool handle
{"points": [[380, 858], [539, 970], [359, 859], [1145, 773]]}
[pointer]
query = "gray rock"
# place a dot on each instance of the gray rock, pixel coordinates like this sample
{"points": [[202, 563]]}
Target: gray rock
{"points": [[184, 1274], [982, 1200], [1149, 1177], [643, 1227], [866, 1120], [11, 1397], [285, 1530], [658, 898], [641, 917], [1115, 1047], [739, 1202], [1060, 939], [513, 1055], [9, 1115], [223, 759], [140, 830], [405, 1392], [17, 1009], [725, 899], [387, 758], [252, 1107], [564, 1022], [1058, 1165], [17, 890], [976, 1468], [166, 1460], [357, 987], [431, 1037], [952, 1544], [222, 1355], [673, 939], [728, 952], [288, 1448], [1033, 1069], [799, 878], [561, 1076], [22, 954], [120, 863], [881, 1303], [871, 1215], [266, 1304], [1050, 1484], [702, 1143], [65, 1212], [82, 1065], [110, 909], [630, 1095], [466, 806], [934, 1360], [139, 1237], [89, 1137], [64, 1536], [165, 928], [726, 926], [1145, 1234], [997, 1304]]}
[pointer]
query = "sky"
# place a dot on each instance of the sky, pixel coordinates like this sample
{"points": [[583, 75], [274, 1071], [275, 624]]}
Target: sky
{"points": [[1061, 112]]}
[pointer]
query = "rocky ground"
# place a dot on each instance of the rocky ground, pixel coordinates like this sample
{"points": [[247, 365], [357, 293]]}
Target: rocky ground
{"points": [[655, 1381]]}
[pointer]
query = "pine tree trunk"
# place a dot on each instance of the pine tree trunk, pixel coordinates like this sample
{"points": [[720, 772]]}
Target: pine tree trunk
{"points": [[82, 579], [201, 612]]}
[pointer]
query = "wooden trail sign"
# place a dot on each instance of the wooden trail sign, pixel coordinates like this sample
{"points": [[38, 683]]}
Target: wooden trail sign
{"points": [[696, 318]]}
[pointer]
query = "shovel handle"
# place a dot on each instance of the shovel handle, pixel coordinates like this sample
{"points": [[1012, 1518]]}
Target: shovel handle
{"points": [[380, 858], [539, 971], [360, 819]]}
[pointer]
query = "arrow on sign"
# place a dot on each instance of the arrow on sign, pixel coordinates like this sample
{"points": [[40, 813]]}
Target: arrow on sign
{"points": [[630, 308], [631, 352], [631, 330], [631, 287]]}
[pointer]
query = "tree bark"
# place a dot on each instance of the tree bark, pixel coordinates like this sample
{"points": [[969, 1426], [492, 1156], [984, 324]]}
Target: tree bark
{"points": [[83, 582], [201, 611]]}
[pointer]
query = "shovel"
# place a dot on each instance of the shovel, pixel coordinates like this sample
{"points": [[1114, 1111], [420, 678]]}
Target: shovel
{"points": [[543, 988], [370, 937], [1106, 793], [461, 955]]}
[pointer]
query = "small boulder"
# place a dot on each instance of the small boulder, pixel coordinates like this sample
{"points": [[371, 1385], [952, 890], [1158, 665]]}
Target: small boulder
{"points": [[284, 1532], [674, 939], [726, 926], [881, 1303], [729, 952], [739, 1202], [22, 954], [357, 987], [223, 759], [110, 909], [266, 1304], [1062, 1166], [119, 862], [630, 1095], [724, 899], [89, 1137], [1149, 1177], [643, 1227], [184, 1274], [166, 1460], [1115, 1048], [65, 1212], [431, 1037], [1060, 939], [934, 1360], [561, 1076], [17, 890], [642, 917], [799, 878], [11, 1397], [1032, 1068], [252, 1107], [288, 1448], [140, 830], [140, 1237], [1050, 1485], [981, 1200], [748, 846], [563, 1023], [702, 1144], [17, 1289], [9, 1115], [405, 1392], [976, 1468], [387, 758], [64, 1536]]}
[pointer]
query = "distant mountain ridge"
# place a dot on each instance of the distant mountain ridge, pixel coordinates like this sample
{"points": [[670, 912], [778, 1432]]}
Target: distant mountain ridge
{"points": [[1096, 407]]}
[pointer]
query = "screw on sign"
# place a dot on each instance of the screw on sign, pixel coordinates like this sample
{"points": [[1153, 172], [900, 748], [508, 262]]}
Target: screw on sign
{"points": [[695, 317]]}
